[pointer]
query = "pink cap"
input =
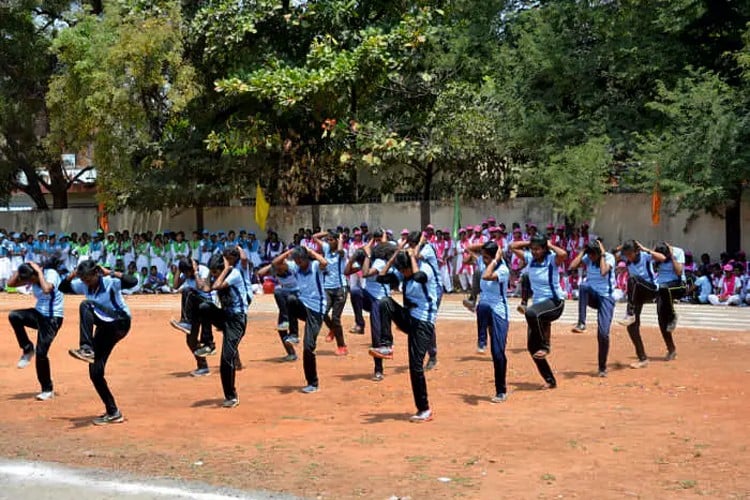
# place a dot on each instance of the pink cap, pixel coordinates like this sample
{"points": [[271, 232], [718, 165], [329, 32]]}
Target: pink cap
{"points": [[728, 267], [357, 232], [517, 230], [561, 228], [430, 226], [462, 230], [550, 226], [446, 230], [621, 264], [494, 229], [404, 232], [491, 220], [478, 229]]}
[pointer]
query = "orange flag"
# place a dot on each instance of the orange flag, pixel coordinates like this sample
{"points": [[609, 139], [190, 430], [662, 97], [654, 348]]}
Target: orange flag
{"points": [[656, 207]]}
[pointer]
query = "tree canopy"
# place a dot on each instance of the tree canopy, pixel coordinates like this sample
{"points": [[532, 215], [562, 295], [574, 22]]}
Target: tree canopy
{"points": [[193, 103]]}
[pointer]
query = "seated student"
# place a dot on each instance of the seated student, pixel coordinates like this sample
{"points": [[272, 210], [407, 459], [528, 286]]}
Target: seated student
{"points": [[730, 287], [133, 273], [702, 287], [620, 292], [155, 282]]}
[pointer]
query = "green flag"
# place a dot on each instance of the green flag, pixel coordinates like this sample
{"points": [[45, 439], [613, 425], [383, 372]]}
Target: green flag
{"points": [[456, 216]]}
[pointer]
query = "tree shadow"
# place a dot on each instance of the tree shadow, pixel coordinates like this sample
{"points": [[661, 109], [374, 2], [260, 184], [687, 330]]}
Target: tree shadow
{"points": [[379, 418], [276, 360], [612, 367], [525, 386], [180, 375], [401, 369], [206, 403], [22, 395]]}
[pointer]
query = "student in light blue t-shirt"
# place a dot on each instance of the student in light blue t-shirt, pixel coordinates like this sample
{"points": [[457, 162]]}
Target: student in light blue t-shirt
{"points": [[542, 260], [104, 321], [309, 306], [493, 312], [597, 292], [671, 281], [46, 317], [285, 287], [642, 289], [416, 318], [334, 284]]}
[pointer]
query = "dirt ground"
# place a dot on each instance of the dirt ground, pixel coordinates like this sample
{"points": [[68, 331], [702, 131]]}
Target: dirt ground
{"points": [[671, 430]]}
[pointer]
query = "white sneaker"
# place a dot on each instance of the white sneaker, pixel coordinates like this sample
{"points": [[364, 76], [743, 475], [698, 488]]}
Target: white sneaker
{"points": [[422, 416], [627, 320], [25, 359], [45, 396]]}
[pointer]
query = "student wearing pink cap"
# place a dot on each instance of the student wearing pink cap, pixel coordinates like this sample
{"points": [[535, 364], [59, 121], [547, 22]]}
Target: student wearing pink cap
{"points": [[730, 288], [466, 268]]}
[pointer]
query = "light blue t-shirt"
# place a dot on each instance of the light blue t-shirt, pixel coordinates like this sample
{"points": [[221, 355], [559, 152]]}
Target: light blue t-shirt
{"points": [[643, 268], [422, 296], [310, 284], [544, 277], [108, 293], [377, 290], [234, 298], [288, 281], [333, 274], [191, 283], [704, 286], [49, 305], [602, 284], [666, 268], [494, 293]]}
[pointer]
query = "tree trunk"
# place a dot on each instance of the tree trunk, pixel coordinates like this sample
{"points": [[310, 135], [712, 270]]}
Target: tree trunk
{"points": [[424, 206], [199, 218], [33, 188], [733, 224], [315, 215]]}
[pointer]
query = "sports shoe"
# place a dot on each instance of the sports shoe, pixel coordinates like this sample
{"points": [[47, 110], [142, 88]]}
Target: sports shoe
{"points": [[500, 398], [238, 366], [200, 372], [84, 354], [107, 419], [181, 326], [330, 337], [672, 324], [357, 330], [579, 328], [639, 364], [541, 354], [283, 326], [378, 377], [422, 416], [521, 309], [309, 389], [204, 351], [383, 352], [671, 355], [341, 351], [469, 304], [45, 395], [291, 340], [627, 320], [231, 403], [289, 358], [481, 349], [26, 358], [431, 363], [548, 386], [602, 374]]}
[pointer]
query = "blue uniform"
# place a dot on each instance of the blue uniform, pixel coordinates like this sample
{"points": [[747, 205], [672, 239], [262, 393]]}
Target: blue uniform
{"points": [[234, 298], [49, 305], [493, 314], [333, 275], [666, 269], [310, 284], [544, 277], [596, 292], [108, 293], [192, 284], [603, 285], [374, 289], [643, 268], [422, 297], [705, 288], [494, 293]]}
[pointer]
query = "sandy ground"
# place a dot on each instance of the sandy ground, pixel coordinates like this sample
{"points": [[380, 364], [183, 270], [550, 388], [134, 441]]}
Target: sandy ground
{"points": [[671, 430]]}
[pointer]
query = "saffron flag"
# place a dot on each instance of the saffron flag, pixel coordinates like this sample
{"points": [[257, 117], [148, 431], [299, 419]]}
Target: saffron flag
{"points": [[656, 207], [262, 208]]}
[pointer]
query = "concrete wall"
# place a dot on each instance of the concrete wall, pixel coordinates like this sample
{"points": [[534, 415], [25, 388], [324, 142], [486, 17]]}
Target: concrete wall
{"points": [[619, 217]]}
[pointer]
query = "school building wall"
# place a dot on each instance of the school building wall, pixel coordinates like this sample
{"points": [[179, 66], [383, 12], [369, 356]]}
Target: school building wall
{"points": [[620, 216]]}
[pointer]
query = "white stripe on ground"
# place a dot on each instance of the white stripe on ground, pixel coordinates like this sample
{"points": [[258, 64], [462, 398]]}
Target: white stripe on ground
{"points": [[32, 480]]}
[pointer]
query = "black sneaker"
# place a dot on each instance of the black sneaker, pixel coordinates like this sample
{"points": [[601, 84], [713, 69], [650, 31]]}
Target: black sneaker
{"points": [[431, 363], [83, 354], [291, 340], [579, 328], [204, 351], [181, 326], [671, 356], [107, 419], [289, 358]]}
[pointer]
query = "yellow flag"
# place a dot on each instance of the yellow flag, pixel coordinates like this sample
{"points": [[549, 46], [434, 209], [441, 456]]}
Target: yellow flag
{"points": [[261, 208]]}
